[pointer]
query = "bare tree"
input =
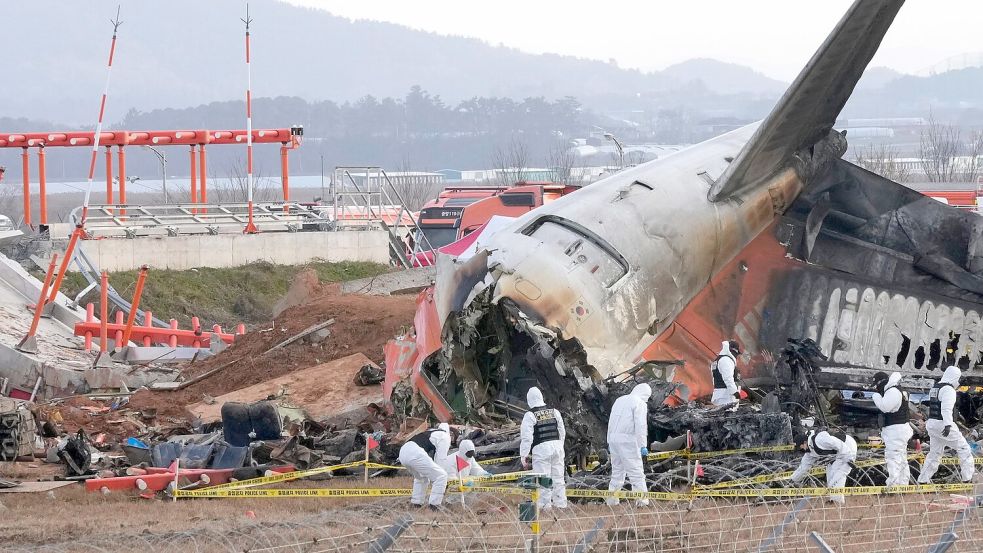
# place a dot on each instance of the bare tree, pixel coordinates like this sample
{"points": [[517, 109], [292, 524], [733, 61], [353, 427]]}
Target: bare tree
{"points": [[234, 188], [415, 190], [635, 157], [510, 161], [939, 149], [562, 160], [973, 168], [884, 160]]}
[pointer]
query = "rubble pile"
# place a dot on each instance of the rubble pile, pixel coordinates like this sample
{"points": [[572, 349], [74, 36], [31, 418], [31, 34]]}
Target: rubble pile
{"points": [[314, 372]]}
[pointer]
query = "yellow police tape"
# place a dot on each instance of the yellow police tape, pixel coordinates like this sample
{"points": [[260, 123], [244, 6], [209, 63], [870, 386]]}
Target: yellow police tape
{"points": [[335, 492], [687, 454], [284, 476], [497, 461], [809, 492], [296, 475], [816, 471], [312, 492], [585, 493], [504, 477], [776, 476]]}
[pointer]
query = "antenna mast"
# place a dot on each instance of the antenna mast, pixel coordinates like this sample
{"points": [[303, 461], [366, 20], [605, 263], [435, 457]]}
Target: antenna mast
{"points": [[102, 112], [250, 225]]}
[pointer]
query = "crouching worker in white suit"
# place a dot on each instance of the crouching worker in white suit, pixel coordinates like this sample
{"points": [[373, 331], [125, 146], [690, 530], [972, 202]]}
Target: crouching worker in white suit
{"points": [[821, 445], [542, 434], [422, 456], [943, 432], [464, 458]]}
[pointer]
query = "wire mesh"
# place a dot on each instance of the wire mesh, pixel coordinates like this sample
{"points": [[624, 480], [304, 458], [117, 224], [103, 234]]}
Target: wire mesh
{"points": [[489, 523]]}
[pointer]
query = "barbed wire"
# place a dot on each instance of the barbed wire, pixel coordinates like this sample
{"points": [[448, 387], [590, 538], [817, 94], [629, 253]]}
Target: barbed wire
{"points": [[489, 523]]}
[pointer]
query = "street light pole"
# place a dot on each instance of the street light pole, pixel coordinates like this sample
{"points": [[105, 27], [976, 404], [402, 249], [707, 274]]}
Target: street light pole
{"points": [[621, 149], [163, 169]]}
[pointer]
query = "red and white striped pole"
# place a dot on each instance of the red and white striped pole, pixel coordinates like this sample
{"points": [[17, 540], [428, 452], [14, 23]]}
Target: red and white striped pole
{"points": [[250, 225], [102, 112]]}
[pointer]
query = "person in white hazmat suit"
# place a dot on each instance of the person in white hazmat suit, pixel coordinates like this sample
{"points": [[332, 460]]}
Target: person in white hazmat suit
{"points": [[895, 430], [628, 441], [820, 445], [423, 456], [541, 435], [943, 432], [723, 369], [464, 454]]}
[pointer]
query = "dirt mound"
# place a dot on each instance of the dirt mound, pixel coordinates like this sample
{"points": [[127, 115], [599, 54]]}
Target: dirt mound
{"points": [[361, 324], [304, 286]]}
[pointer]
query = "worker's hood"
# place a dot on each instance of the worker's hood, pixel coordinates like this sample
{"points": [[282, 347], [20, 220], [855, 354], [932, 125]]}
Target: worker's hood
{"points": [[466, 446], [725, 349], [951, 376], [643, 392], [893, 380], [444, 427], [534, 398]]}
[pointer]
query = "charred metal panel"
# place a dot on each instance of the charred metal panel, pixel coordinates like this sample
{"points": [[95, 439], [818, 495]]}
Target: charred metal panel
{"points": [[889, 282], [718, 431], [867, 324]]}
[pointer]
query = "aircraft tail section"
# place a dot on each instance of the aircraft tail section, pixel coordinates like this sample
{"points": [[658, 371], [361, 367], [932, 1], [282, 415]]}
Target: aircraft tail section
{"points": [[807, 111]]}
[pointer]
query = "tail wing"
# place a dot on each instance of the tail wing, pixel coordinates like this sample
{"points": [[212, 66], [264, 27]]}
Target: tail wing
{"points": [[809, 108]]}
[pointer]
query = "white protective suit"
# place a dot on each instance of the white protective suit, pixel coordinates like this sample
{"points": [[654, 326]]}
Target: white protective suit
{"points": [[895, 436], [426, 470], [955, 440], [547, 457], [838, 470], [627, 435], [472, 469], [727, 365]]}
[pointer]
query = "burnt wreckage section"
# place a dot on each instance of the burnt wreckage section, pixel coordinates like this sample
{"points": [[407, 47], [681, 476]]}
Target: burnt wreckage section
{"points": [[892, 280], [886, 279], [493, 353]]}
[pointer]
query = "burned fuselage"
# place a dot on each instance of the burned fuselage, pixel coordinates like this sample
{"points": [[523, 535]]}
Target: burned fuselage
{"points": [[665, 260]]}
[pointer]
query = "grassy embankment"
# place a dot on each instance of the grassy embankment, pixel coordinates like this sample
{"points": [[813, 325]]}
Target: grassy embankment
{"points": [[225, 296]]}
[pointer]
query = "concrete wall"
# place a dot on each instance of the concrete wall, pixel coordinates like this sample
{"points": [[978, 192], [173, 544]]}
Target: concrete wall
{"points": [[232, 250]]}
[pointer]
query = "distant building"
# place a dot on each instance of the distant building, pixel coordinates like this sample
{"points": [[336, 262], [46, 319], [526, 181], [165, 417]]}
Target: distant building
{"points": [[398, 178], [489, 176], [869, 132]]}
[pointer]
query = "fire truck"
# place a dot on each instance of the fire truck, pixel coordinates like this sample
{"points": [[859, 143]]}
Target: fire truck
{"points": [[460, 210]]}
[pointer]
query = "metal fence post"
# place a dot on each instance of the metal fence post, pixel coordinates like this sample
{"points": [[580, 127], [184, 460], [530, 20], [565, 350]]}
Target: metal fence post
{"points": [[390, 535], [777, 532], [589, 538], [820, 542], [945, 542]]}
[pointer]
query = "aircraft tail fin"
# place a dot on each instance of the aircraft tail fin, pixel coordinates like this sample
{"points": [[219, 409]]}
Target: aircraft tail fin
{"points": [[809, 108]]}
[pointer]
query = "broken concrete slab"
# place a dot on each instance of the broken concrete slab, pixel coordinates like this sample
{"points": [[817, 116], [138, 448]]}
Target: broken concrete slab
{"points": [[34, 487], [409, 281], [164, 354], [325, 392]]}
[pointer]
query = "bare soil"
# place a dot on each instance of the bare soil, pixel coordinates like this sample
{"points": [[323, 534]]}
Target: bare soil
{"points": [[363, 324]]}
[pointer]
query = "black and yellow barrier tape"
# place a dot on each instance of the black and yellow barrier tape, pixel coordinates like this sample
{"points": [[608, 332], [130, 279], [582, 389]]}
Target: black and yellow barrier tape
{"points": [[284, 477], [586, 493]]}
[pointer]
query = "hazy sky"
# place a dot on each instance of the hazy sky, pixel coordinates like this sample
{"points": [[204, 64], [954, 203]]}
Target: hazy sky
{"points": [[772, 36]]}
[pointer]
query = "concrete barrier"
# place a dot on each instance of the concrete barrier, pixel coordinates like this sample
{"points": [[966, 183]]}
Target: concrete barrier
{"points": [[283, 248]]}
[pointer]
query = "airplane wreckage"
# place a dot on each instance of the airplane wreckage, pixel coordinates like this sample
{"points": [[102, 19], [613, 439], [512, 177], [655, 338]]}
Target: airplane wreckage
{"points": [[764, 234]]}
